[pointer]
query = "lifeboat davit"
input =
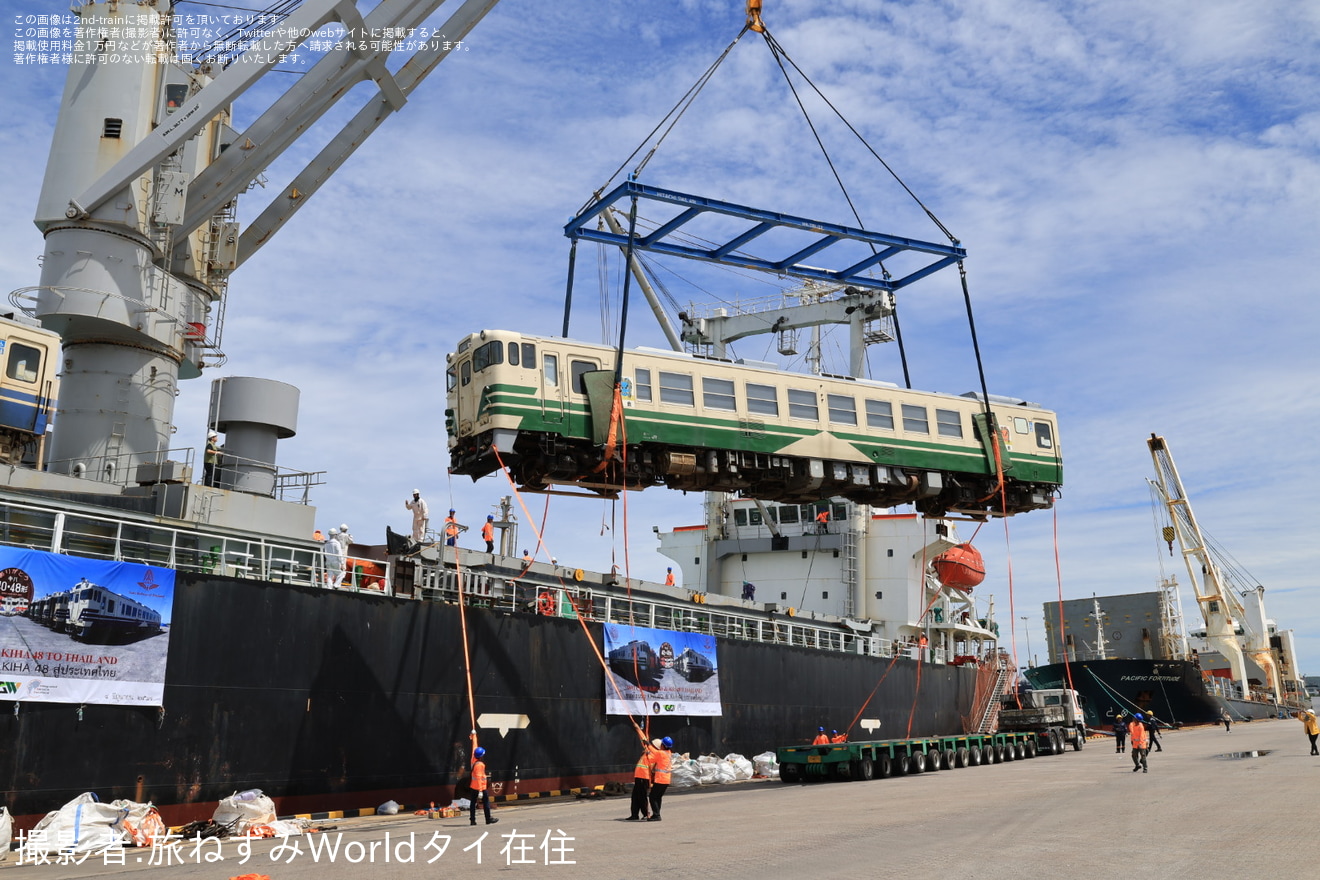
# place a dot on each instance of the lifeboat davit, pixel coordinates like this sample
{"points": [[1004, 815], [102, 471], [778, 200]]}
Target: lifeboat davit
{"points": [[960, 566]]}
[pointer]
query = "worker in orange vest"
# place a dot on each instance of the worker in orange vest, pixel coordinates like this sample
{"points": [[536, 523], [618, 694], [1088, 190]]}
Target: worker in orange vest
{"points": [[822, 738], [480, 787], [451, 529], [669, 577], [838, 737], [663, 758], [488, 533], [1139, 740], [823, 522], [642, 781]]}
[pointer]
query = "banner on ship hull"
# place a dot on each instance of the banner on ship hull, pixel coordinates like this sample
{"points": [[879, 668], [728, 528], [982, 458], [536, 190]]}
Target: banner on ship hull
{"points": [[83, 630], [660, 672]]}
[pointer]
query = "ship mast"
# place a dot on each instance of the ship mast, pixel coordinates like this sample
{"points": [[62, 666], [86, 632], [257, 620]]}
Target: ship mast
{"points": [[1220, 607]]}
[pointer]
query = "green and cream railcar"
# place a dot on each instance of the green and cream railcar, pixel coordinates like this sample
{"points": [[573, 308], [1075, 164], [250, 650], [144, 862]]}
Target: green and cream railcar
{"points": [[702, 424]]}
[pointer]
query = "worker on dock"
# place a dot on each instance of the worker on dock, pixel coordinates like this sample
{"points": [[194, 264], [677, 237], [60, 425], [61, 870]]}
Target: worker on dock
{"points": [[488, 533], [836, 737], [1226, 718], [1312, 727], [1140, 739], [1152, 725], [421, 515], [642, 782], [1120, 731], [660, 771], [822, 738], [480, 787]]}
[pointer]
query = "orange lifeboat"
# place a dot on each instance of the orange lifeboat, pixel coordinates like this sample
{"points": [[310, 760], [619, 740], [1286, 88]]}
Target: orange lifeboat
{"points": [[960, 566]]}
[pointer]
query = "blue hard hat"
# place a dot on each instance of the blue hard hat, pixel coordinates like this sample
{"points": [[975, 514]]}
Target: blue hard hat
{"points": [[667, 743], [821, 729], [490, 517], [1138, 716], [480, 752], [833, 731]]}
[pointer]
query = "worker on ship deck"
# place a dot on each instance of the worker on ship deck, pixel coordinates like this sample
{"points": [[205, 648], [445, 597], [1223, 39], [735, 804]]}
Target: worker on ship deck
{"points": [[421, 515], [488, 533], [669, 577], [823, 522], [451, 529]]}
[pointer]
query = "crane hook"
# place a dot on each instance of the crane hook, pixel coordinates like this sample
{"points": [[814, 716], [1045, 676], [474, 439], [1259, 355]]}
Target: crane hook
{"points": [[754, 16]]}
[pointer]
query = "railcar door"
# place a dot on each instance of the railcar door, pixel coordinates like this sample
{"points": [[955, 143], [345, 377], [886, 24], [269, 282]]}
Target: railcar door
{"points": [[552, 388], [21, 397]]}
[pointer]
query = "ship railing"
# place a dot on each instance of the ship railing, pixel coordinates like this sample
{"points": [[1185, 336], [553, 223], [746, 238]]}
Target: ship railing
{"points": [[178, 466], [97, 536], [505, 594]]}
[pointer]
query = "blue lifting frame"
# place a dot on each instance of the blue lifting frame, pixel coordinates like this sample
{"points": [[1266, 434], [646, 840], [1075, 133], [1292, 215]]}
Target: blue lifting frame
{"points": [[885, 246]]}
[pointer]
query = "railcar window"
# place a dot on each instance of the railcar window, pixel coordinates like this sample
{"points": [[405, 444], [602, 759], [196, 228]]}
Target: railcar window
{"points": [[1044, 438], [676, 388], [754, 516], [802, 405], [740, 517], [642, 384], [880, 414], [579, 368], [529, 356], [24, 361], [451, 379], [915, 420], [843, 409], [487, 356], [949, 423], [513, 354], [1021, 426], [788, 514], [465, 372], [762, 400], [551, 369], [717, 393]]}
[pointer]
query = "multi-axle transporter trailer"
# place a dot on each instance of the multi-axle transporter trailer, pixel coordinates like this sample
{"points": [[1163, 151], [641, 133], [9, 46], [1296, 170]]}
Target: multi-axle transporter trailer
{"points": [[881, 759]]}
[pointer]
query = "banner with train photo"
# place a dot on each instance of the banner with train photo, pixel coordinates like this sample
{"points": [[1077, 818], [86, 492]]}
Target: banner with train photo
{"points": [[660, 672], [83, 630]]}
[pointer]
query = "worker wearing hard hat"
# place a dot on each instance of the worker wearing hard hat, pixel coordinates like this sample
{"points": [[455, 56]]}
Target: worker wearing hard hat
{"points": [[334, 559], [1139, 738], [451, 529], [642, 781], [669, 577], [210, 458], [1312, 727], [488, 533], [421, 515], [480, 787], [822, 738], [662, 764]]}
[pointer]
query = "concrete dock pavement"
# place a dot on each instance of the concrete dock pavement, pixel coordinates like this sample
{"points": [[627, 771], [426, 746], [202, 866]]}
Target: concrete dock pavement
{"points": [[1241, 804]]}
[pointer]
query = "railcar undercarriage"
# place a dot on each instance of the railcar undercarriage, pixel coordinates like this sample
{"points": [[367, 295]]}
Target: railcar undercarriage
{"points": [[539, 462]]}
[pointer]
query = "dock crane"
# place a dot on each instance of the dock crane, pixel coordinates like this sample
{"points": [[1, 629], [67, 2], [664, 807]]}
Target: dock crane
{"points": [[1220, 606]]}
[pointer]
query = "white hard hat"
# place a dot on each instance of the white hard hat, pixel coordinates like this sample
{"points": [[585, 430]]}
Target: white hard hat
{"points": [[334, 531], [212, 434], [343, 527], [417, 491]]}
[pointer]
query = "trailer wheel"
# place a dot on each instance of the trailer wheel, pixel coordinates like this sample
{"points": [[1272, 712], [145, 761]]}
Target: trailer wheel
{"points": [[842, 771], [901, 764], [960, 758], [945, 759], [974, 756], [916, 762], [997, 756], [865, 770], [1031, 749], [789, 773], [1019, 750], [1081, 739], [884, 767]]}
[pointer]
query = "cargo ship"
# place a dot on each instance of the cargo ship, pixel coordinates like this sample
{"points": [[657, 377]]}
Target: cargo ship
{"points": [[265, 662], [1132, 652]]}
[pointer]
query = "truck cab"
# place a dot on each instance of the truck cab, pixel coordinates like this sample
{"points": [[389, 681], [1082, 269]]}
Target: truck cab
{"points": [[1056, 709]]}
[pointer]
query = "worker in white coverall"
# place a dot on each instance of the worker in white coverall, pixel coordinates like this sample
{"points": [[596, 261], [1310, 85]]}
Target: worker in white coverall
{"points": [[421, 516], [334, 559]]}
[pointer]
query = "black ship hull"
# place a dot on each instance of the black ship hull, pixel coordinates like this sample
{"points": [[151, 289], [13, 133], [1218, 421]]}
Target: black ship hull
{"points": [[1175, 690], [332, 701]]}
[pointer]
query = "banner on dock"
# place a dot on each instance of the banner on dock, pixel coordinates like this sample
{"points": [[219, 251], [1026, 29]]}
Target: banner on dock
{"points": [[660, 672], [83, 631]]}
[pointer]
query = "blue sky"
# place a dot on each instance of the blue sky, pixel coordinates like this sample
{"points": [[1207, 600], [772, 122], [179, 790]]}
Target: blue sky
{"points": [[1135, 184]]}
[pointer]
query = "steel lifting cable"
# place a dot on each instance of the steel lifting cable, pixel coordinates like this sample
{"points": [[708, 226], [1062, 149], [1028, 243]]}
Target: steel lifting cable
{"points": [[1058, 577]]}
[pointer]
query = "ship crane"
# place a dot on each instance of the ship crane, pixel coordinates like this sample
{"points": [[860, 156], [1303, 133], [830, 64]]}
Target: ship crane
{"points": [[138, 204], [1220, 607]]}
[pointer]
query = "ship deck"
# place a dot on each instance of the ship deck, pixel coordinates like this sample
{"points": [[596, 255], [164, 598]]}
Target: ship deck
{"points": [[1026, 818]]}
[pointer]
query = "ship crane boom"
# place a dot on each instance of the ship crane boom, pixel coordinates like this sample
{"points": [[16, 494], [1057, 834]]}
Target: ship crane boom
{"points": [[1220, 607]]}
